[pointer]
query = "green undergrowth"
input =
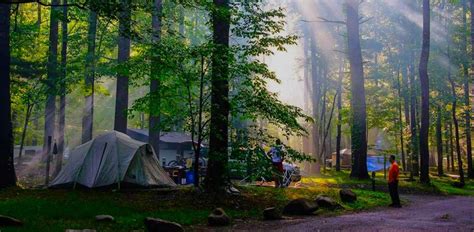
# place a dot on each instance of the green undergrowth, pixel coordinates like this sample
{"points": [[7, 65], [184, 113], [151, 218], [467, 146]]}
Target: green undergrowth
{"points": [[57, 210]]}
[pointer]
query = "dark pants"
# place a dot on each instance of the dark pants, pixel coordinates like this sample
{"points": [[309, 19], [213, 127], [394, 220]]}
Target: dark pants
{"points": [[393, 188]]}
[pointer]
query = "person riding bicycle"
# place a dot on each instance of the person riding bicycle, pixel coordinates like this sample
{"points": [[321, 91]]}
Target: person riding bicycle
{"points": [[277, 155]]}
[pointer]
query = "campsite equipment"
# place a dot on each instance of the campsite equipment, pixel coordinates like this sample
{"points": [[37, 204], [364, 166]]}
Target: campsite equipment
{"points": [[190, 177], [113, 158], [177, 173]]}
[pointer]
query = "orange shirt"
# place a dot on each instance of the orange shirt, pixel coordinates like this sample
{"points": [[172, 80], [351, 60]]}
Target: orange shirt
{"points": [[393, 172]]}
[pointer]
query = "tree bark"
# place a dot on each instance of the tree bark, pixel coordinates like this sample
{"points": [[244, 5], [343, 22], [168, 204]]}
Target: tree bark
{"points": [[62, 98], [217, 176], [451, 145], [316, 97], [456, 132], [50, 110], [358, 102], [446, 144], [339, 119], [88, 115], [467, 116], [121, 101], [7, 169], [439, 142], [154, 120], [400, 120], [425, 95]]}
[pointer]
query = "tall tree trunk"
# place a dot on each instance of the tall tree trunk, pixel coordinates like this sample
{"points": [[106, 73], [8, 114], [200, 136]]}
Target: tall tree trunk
{"points": [[62, 98], [29, 109], [217, 176], [446, 144], [154, 120], [413, 125], [339, 118], [7, 170], [121, 101], [425, 96], [88, 115], [439, 142], [467, 116], [451, 145], [358, 103], [316, 96], [456, 131], [400, 119], [50, 110]]}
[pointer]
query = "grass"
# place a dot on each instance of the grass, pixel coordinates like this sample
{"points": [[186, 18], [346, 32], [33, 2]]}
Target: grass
{"points": [[57, 210]]}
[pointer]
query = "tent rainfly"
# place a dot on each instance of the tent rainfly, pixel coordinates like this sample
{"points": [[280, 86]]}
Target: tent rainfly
{"points": [[113, 158]]}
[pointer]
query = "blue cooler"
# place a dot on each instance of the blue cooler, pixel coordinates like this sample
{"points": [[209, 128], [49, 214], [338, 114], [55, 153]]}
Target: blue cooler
{"points": [[190, 177]]}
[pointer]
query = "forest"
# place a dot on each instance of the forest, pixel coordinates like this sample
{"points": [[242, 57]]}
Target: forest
{"points": [[183, 114]]}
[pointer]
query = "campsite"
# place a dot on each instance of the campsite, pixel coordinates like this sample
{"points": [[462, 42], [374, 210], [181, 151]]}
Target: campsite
{"points": [[229, 115]]}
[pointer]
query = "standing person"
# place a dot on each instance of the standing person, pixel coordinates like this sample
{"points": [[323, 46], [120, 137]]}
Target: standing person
{"points": [[277, 155], [393, 183]]}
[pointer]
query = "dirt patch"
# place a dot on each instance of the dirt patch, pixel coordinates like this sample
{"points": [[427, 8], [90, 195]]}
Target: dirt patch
{"points": [[424, 213]]}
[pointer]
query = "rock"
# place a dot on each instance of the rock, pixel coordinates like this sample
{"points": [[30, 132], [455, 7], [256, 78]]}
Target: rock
{"points": [[347, 195], [327, 202], [272, 213], [218, 217], [9, 221], [300, 206], [158, 225], [104, 218]]}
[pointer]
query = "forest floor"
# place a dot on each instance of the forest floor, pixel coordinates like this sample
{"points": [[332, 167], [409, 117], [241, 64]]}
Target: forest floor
{"points": [[57, 210], [423, 213]]}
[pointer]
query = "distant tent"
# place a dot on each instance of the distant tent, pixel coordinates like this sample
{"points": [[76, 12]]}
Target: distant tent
{"points": [[113, 158]]}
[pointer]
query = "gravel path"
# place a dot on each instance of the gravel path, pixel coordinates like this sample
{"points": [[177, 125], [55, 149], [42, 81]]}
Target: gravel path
{"points": [[424, 213]]}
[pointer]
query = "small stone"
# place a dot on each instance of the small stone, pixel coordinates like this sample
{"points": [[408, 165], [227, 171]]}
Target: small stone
{"points": [[272, 213], [347, 195], [104, 218], [300, 206], [158, 225], [9, 221], [218, 217], [327, 202]]}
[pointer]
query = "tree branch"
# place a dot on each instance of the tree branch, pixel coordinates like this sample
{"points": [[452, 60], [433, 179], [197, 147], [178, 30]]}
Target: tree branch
{"points": [[42, 3]]}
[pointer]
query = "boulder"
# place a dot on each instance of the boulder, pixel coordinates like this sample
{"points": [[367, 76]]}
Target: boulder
{"points": [[300, 206], [327, 202], [104, 218], [347, 195], [218, 217], [9, 221], [271, 213], [158, 225]]}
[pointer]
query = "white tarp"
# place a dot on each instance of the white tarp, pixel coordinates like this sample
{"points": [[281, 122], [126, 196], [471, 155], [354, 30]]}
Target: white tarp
{"points": [[113, 158]]}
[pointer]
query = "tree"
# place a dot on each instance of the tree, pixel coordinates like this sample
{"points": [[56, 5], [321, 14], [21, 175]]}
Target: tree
{"points": [[88, 115], [121, 101], [154, 120], [50, 110], [358, 103], [456, 130], [425, 95], [339, 120], [62, 90], [439, 142], [7, 170], [470, 167], [216, 176]]}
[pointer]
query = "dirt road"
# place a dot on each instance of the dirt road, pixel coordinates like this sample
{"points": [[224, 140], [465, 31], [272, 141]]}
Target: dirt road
{"points": [[424, 213]]}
